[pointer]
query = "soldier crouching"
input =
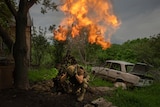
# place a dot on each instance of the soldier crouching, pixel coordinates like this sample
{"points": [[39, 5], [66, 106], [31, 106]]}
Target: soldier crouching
{"points": [[76, 79]]}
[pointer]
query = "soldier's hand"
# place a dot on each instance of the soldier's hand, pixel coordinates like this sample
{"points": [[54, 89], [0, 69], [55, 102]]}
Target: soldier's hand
{"points": [[64, 73]]}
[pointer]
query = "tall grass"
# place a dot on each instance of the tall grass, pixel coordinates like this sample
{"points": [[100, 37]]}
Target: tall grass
{"points": [[97, 81], [41, 74], [140, 97]]}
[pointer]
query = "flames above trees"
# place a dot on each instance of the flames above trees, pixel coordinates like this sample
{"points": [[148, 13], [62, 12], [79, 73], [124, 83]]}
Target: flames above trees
{"points": [[96, 16]]}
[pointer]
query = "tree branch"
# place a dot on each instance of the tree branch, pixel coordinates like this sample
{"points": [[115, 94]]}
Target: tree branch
{"points": [[31, 3], [11, 7]]}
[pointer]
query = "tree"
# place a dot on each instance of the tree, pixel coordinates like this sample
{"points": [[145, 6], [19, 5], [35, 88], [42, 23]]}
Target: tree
{"points": [[59, 47], [154, 44], [39, 46], [19, 13]]}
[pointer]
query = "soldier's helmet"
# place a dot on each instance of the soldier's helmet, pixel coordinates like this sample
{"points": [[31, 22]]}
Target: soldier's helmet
{"points": [[71, 70]]}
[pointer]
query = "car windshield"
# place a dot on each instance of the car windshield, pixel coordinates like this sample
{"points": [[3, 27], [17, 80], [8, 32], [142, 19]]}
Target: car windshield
{"points": [[142, 69], [129, 68]]}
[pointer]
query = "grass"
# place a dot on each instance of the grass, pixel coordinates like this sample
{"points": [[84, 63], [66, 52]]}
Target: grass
{"points": [[41, 74], [97, 81], [139, 97], [47, 74]]}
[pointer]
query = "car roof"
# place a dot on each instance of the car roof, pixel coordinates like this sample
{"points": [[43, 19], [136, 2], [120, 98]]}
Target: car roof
{"points": [[120, 62]]}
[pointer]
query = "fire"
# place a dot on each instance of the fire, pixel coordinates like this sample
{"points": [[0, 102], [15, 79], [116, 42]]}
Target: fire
{"points": [[95, 15]]}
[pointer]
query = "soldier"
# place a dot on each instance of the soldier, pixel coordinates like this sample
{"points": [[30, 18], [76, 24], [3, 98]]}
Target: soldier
{"points": [[71, 78], [77, 80], [67, 60]]}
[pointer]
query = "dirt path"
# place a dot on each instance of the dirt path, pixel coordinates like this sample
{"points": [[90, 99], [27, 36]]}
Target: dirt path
{"points": [[30, 98]]}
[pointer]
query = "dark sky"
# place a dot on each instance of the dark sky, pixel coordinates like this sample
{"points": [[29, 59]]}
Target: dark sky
{"points": [[139, 18]]}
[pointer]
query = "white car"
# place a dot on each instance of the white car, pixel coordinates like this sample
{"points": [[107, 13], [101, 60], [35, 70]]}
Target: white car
{"points": [[117, 71]]}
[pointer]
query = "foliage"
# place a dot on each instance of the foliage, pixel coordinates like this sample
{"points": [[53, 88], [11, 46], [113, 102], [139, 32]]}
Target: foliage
{"points": [[59, 50], [154, 43], [139, 50], [48, 5], [140, 97], [90, 54], [5, 15], [39, 47], [41, 74], [112, 52]]}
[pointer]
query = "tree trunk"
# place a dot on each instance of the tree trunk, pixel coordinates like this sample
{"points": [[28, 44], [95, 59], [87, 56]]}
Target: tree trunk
{"points": [[20, 53]]}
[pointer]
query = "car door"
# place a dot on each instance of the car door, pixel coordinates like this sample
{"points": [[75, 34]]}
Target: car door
{"points": [[102, 71], [114, 71]]}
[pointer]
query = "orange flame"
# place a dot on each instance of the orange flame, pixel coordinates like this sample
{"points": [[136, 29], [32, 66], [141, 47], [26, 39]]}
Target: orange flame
{"points": [[96, 15]]}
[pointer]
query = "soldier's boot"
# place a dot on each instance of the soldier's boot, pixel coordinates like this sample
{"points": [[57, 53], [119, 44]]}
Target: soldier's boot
{"points": [[81, 96]]}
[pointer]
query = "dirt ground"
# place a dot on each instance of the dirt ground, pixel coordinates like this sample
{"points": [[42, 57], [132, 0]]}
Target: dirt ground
{"points": [[31, 98]]}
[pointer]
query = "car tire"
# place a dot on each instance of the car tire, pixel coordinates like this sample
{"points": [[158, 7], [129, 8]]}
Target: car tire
{"points": [[120, 85]]}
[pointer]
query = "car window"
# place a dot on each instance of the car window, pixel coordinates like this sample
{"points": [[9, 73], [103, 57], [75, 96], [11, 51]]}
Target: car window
{"points": [[116, 66], [129, 68], [108, 64], [140, 68]]}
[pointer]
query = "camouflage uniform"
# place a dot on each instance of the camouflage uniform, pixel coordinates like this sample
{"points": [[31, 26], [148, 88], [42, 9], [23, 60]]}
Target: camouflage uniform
{"points": [[66, 61], [77, 87], [66, 79]]}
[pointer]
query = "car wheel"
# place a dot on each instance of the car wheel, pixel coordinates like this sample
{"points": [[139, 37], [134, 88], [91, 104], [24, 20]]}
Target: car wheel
{"points": [[120, 85]]}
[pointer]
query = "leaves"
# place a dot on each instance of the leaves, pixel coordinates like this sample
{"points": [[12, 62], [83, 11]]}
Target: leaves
{"points": [[48, 5], [39, 46]]}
